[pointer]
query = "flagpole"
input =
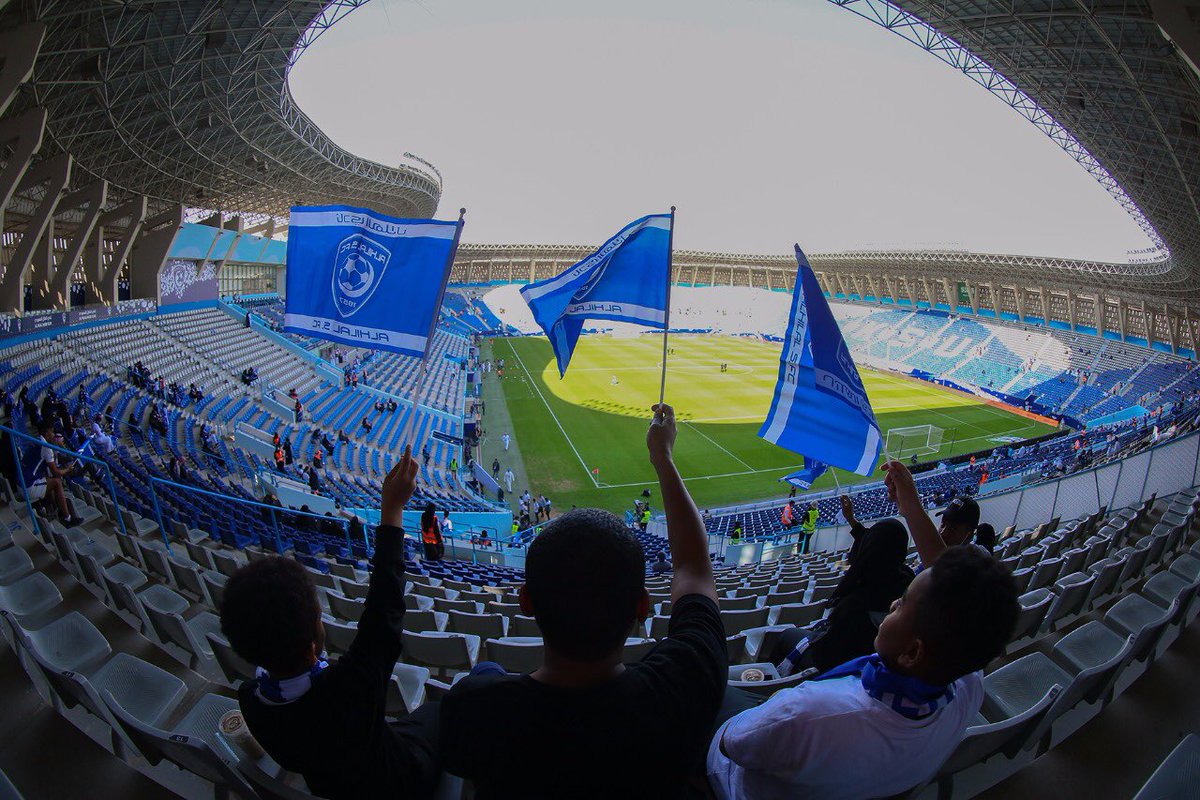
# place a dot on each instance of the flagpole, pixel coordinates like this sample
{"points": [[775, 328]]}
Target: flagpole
{"points": [[662, 387], [424, 370]]}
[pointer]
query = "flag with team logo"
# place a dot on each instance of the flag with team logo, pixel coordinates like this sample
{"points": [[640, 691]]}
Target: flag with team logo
{"points": [[820, 409], [365, 279], [804, 478], [624, 281]]}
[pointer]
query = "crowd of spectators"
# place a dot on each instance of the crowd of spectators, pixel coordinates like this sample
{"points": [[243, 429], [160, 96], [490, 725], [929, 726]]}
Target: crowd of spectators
{"points": [[897, 665]]}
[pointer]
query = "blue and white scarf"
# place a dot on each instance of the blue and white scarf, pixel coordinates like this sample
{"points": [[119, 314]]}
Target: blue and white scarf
{"points": [[275, 692], [910, 697]]}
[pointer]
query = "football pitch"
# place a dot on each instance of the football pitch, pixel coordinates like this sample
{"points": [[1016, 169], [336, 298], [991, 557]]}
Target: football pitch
{"points": [[581, 440]]}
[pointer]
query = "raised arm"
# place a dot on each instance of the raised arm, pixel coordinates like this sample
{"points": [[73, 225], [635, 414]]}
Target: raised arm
{"points": [[377, 643], [685, 528], [903, 492]]}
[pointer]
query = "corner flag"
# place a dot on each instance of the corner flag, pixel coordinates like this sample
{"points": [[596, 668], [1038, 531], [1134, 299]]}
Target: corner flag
{"points": [[820, 408], [365, 279], [804, 479], [624, 281]]}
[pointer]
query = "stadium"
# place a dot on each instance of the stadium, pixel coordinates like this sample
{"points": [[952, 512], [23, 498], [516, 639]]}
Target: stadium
{"points": [[170, 437]]}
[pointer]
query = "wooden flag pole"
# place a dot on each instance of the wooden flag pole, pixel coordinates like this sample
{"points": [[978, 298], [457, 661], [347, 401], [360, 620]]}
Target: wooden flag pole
{"points": [[662, 387], [424, 371]]}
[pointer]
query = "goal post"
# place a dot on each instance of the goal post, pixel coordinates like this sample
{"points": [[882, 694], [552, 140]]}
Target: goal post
{"points": [[916, 439]]}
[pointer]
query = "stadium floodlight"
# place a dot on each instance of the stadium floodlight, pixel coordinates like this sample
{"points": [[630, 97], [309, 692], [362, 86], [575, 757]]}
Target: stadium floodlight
{"points": [[918, 439]]}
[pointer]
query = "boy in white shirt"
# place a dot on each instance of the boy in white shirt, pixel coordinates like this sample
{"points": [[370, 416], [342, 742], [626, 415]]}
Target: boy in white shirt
{"points": [[881, 724]]}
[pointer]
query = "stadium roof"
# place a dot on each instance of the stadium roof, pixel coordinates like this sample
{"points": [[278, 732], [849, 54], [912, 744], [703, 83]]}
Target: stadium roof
{"points": [[187, 102], [1115, 84]]}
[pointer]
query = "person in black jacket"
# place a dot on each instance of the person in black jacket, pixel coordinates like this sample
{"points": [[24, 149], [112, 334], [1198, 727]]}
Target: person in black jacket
{"points": [[326, 721], [585, 724], [876, 578]]}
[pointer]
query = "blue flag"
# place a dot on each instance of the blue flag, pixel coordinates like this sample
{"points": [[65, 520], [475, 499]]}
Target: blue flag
{"points": [[820, 408], [365, 279], [625, 281], [804, 479]]}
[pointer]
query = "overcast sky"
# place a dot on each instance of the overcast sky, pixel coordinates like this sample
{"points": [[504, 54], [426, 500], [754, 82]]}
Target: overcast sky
{"points": [[764, 121]]}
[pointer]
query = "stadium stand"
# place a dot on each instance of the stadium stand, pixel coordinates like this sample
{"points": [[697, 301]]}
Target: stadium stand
{"points": [[111, 617]]}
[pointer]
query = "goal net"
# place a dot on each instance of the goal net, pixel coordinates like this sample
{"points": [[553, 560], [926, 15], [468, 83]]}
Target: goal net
{"points": [[918, 439]]}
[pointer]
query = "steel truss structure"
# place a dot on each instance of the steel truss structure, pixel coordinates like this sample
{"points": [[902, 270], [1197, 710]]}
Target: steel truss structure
{"points": [[164, 105]]}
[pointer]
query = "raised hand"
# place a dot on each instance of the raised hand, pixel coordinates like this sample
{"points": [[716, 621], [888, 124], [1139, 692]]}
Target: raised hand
{"points": [[660, 438], [398, 488]]}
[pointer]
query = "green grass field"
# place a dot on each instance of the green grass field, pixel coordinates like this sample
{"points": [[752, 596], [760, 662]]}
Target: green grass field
{"points": [[567, 428]]}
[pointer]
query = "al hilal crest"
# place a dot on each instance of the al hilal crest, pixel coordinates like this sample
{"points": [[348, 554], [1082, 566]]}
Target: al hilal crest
{"points": [[358, 267]]}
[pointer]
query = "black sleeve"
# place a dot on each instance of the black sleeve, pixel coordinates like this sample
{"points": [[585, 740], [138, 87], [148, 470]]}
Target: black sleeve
{"points": [[690, 669], [376, 647]]}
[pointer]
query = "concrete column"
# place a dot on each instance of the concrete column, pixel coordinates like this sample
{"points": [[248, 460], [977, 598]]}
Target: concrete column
{"points": [[102, 278], [90, 200], [20, 47], [54, 173], [150, 252]]}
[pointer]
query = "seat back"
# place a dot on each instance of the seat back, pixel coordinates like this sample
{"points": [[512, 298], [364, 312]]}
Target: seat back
{"points": [[188, 752], [1009, 736], [521, 625], [235, 668], [124, 599], [516, 654], [214, 587], [345, 608], [737, 621], [485, 626], [1107, 572], [1072, 592], [199, 553], [225, 564], [800, 614], [636, 649], [338, 636], [187, 579], [441, 650], [1034, 607], [1045, 573], [423, 620], [1134, 562], [464, 606]]}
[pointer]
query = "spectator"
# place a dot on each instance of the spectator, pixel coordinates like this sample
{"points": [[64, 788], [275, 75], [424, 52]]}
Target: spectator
{"points": [[175, 469], [431, 534], [326, 721], [876, 578], [356, 530], [584, 584], [985, 537], [101, 437], [44, 478], [425, 455], [881, 724], [959, 520], [287, 451], [366, 424], [314, 480], [447, 524], [660, 563], [318, 459]]}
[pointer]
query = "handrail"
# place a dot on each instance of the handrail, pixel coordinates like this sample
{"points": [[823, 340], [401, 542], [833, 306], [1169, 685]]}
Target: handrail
{"points": [[39, 442]]}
